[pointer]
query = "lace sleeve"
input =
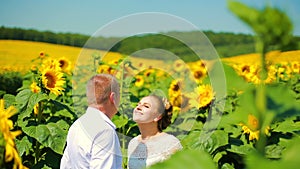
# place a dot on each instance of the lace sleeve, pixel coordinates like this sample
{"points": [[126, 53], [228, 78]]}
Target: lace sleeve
{"points": [[177, 147]]}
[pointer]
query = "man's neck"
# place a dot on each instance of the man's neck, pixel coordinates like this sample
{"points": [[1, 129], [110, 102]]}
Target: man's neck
{"points": [[105, 109]]}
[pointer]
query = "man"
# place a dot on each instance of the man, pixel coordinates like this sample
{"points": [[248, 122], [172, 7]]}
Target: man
{"points": [[92, 141]]}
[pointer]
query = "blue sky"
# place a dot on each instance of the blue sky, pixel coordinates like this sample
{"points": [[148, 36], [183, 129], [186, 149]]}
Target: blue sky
{"points": [[88, 16]]}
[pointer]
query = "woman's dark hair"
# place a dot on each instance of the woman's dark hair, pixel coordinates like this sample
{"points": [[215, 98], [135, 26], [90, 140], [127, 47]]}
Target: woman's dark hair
{"points": [[165, 108]]}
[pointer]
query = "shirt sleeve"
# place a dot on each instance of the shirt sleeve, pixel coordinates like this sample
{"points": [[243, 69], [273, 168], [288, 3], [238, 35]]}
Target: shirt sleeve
{"points": [[105, 152], [64, 163]]}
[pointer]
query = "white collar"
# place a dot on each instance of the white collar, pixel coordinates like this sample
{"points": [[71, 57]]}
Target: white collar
{"points": [[104, 117]]}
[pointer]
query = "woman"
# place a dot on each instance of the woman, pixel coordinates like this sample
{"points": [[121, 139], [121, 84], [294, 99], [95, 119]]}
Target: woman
{"points": [[153, 115]]}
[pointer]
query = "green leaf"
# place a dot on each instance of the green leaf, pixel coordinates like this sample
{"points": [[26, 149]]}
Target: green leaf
{"points": [[262, 22], [274, 151], [23, 146], [191, 139], [227, 166], [241, 149], [291, 153], [52, 135], [61, 109], [120, 121], [233, 80], [28, 100], [208, 141], [34, 99], [2, 147], [9, 99], [245, 13], [282, 101], [290, 158], [190, 159], [217, 139], [23, 97], [287, 126]]}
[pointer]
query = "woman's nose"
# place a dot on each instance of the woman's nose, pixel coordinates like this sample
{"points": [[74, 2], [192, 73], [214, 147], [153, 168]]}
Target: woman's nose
{"points": [[138, 107]]}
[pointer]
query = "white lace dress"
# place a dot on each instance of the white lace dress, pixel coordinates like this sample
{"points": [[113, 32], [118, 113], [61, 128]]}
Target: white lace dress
{"points": [[142, 154]]}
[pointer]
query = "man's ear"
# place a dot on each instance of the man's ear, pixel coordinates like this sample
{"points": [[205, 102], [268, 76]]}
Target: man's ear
{"points": [[158, 118], [112, 97]]}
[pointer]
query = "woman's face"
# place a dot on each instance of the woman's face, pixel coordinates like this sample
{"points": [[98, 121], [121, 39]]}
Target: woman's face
{"points": [[146, 111]]}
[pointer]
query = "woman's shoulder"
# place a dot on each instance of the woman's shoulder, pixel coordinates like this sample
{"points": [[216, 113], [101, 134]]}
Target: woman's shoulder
{"points": [[171, 141], [134, 140], [170, 137]]}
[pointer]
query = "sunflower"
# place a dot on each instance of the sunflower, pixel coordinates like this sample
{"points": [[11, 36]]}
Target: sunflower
{"points": [[252, 128], [105, 69], [179, 101], [42, 55], [51, 64], [36, 109], [5, 126], [114, 62], [202, 96], [199, 74], [65, 65], [139, 81], [53, 80], [179, 65], [177, 98], [35, 88], [295, 66], [33, 68], [175, 87], [149, 72]]}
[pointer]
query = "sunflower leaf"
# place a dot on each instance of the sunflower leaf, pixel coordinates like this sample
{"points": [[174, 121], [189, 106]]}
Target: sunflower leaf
{"points": [[52, 135]]}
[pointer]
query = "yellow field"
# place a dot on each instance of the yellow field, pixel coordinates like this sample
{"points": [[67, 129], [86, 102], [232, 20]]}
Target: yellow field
{"points": [[272, 57], [17, 55]]}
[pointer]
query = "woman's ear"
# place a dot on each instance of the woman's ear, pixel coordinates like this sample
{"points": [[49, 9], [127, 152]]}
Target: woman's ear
{"points": [[157, 118]]}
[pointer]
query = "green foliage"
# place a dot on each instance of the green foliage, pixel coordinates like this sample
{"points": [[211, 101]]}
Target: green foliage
{"points": [[45, 36], [263, 23], [10, 82], [2, 150], [45, 132], [191, 159], [44, 119]]}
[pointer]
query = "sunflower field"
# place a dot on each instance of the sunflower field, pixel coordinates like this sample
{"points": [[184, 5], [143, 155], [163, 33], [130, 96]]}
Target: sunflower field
{"points": [[255, 123]]}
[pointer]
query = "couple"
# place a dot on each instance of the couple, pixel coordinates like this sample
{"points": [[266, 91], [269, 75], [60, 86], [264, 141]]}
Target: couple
{"points": [[92, 141]]}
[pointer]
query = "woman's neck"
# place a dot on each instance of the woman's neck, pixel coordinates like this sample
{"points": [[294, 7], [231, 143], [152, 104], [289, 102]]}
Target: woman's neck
{"points": [[148, 130]]}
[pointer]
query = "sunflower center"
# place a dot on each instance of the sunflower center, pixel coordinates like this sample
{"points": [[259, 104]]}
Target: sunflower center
{"points": [[198, 74], [50, 80], [253, 122], [62, 64], [246, 69]]}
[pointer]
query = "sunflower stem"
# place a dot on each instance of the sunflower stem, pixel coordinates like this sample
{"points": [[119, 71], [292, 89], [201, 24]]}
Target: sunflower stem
{"points": [[261, 96], [122, 114], [38, 144]]}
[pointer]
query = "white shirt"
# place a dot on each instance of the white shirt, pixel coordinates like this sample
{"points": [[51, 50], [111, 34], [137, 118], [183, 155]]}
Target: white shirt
{"points": [[143, 154], [92, 142]]}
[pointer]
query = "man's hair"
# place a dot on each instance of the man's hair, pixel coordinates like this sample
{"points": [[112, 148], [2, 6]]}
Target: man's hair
{"points": [[99, 88]]}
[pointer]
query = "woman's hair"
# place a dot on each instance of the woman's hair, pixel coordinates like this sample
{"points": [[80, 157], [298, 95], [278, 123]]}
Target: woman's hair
{"points": [[165, 109], [99, 88]]}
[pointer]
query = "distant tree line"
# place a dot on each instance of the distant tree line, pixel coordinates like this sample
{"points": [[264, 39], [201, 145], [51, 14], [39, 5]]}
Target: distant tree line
{"points": [[69, 39], [226, 44]]}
